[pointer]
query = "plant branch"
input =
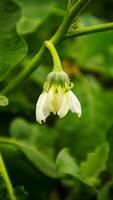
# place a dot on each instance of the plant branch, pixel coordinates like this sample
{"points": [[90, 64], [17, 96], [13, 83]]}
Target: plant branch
{"points": [[56, 39], [90, 29], [6, 179], [68, 19]]}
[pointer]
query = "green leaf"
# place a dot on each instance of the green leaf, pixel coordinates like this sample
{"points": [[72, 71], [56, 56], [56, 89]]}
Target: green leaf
{"points": [[35, 135], [66, 164], [32, 14], [3, 100], [34, 156], [20, 193], [95, 163], [26, 25], [12, 47]]}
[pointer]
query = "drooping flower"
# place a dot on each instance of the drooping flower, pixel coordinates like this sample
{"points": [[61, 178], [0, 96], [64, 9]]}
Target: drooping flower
{"points": [[57, 97]]}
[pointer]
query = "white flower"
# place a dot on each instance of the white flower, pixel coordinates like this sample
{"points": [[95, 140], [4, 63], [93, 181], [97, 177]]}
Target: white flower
{"points": [[57, 97], [56, 102]]}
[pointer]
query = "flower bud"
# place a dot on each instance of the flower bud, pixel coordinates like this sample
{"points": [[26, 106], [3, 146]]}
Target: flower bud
{"points": [[57, 79]]}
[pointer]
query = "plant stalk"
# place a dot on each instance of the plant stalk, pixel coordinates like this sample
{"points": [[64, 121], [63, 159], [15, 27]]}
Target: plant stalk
{"points": [[54, 54], [6, 179]]}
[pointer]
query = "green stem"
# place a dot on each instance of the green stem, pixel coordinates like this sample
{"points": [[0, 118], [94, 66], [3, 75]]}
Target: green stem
{"points": [[56, 39], [6, 179], [25, 73], [54, 54], [90, 29], [68, 19]]}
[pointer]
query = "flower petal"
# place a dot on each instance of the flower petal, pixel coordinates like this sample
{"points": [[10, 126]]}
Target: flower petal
{"points": [[75, 105], [41, 111], [64, 108], [54, 100]]}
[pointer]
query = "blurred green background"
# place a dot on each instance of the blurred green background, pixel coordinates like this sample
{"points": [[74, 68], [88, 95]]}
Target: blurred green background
{"points": [[89, 62]]}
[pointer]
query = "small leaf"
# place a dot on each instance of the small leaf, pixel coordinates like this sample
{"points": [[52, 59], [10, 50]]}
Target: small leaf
{"points": [[3, 100], [95, 163], [66, 164], [20, 193]]}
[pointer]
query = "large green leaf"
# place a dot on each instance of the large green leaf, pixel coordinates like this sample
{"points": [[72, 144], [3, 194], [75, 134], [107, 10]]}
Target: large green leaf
{"points": [[12, 47], [84, 134], [95, 163]]}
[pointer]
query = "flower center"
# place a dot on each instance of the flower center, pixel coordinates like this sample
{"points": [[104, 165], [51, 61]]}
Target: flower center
{"points": [[55, 99]]}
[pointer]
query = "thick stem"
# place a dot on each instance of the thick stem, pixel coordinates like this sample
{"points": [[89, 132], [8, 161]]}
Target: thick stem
{"points": [[56, 39], [6, 179], [54, 54], [90, 29]]}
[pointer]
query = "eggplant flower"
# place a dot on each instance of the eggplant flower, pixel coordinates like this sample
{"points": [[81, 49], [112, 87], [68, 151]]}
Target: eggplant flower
{"points": [[57, 97]]}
